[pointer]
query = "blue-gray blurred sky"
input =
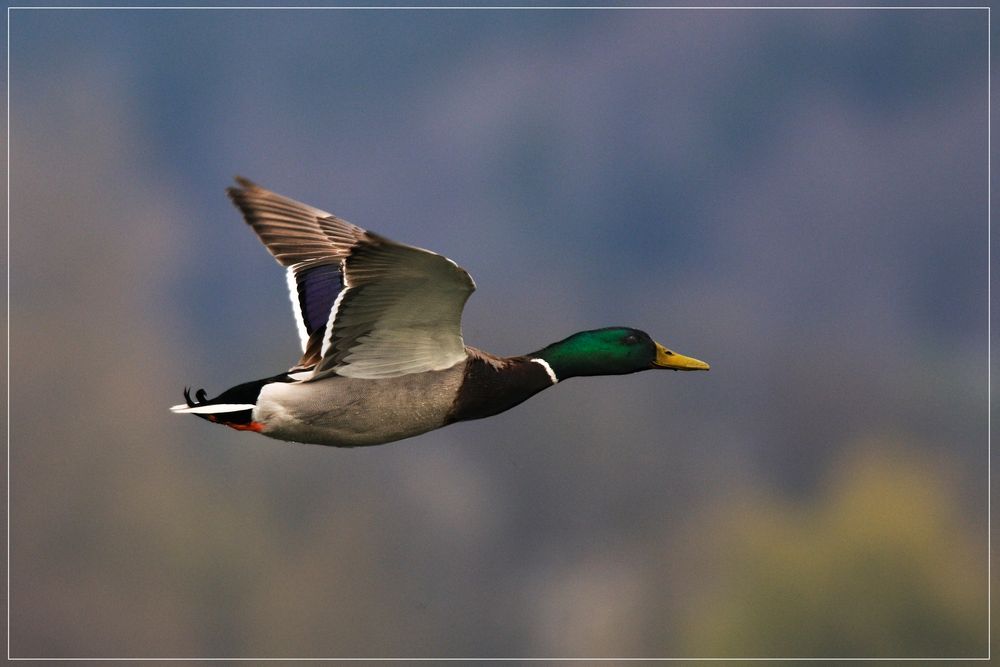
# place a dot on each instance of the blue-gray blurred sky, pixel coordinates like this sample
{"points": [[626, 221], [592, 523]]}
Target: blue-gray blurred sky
{"points": [[799, 197]]}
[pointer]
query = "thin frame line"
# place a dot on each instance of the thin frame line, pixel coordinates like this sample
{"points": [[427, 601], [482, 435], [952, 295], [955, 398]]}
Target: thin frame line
{"points": [[532, 8], [494, 7], [989, 331], [966, 659], [7, 365]]}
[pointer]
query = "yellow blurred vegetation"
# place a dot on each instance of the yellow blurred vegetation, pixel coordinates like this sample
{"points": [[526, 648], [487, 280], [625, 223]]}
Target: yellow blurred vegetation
{"points": [[880, 563]]}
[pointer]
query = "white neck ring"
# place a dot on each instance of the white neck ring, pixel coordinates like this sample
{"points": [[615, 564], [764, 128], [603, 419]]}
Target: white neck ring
{"points": [[548, 369]]}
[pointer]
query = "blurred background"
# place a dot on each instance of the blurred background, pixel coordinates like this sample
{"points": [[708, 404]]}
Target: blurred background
{"points": [[798, 197]]}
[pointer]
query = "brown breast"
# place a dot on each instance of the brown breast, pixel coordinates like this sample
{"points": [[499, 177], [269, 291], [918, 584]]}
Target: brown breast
{"points": [[492, 384]]}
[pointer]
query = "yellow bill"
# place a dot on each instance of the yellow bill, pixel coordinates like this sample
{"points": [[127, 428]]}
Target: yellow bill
{"points": [[677, 362]]}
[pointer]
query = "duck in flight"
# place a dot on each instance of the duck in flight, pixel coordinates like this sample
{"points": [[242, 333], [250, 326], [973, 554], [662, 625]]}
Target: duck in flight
{"points": [[382, 351]]}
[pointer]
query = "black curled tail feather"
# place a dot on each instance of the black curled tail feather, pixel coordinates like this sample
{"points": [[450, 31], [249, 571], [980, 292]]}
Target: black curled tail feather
{"points": [[200, 397]]}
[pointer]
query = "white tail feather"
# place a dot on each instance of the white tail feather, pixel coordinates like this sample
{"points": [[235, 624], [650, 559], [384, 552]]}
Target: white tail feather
{"points": [[211, 409]]}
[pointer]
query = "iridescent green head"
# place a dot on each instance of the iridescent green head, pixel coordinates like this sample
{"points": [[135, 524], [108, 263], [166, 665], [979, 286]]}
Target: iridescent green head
{"points": [[612, 351]]}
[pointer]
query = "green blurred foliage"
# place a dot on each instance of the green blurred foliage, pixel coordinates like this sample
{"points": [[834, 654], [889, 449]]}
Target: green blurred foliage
{"points": [[880, 564]]}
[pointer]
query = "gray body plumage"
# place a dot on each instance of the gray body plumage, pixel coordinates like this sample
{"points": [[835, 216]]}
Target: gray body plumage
{"points": [[353, 412]]}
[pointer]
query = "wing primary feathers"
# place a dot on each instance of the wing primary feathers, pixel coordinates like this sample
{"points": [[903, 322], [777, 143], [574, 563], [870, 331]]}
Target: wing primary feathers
{"points": [[365, 306]]}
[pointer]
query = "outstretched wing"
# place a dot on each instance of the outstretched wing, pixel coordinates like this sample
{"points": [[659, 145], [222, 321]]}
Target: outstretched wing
{"points": [[311, 244], [401, 312], [366, 306]]}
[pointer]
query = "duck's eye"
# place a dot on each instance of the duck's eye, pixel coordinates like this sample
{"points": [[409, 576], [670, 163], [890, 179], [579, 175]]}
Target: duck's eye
{"points": [[631, 339]]}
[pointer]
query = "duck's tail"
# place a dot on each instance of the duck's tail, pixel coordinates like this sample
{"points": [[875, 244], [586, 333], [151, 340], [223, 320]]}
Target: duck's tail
{"points": [[233, 407]]}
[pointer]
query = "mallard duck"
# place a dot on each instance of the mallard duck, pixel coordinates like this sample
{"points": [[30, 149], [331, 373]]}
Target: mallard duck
{"points": [[382, 351]]}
